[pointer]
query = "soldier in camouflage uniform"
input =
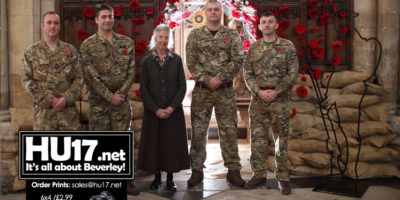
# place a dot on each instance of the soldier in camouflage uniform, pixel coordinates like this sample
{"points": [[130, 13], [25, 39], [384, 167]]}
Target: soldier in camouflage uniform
{"points": [[53, 76], [270, 69], [108, 62], [214, 56]]}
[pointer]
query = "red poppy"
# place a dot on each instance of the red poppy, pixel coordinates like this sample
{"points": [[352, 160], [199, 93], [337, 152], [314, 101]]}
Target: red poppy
{"points": [[162, 17], [334, 8], [256, 18], [303, 78], [301, 91], [67, 53], [92, 22], [149, 11], [121, 5], [327, 76], [151, 34], [138, 93], [300, 29], [136, 31], [82, 34], [119, 24], [138, 20], [117, 12], [337, 45], [191, 78], [342, 14], [172, 25], [301, 37], [302, 72], [324, 19], [278, 49], [246, 45], [301, 53], [293, 113], [319, 52], [88, 12], [313, 13], [125, 51], [158, 23], [284, 24], [322, 40], [344, 30], [312, 3], [122, 31], [284, 9], [314, 44], [313, 29], [236, 14], [274, 12], [186, 15], [224, 39], [139, 50], [316, 74], [142, 43], [336, 60], [247, 18], [336, 20], [134, 5], [162, 6]]}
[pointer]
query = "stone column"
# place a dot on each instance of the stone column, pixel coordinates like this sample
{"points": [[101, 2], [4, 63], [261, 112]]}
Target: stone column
{"points": [[388, 34], [4, 87], [366, 23], [24, 30]]}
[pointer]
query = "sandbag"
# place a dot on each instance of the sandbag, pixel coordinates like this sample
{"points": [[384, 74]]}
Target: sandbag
{"points": [[301, 122], [85, 109], [318, 160], [303, 107], [307, 171], [136, 125], [367, 128], [310, 96], [308, 146], [396, 141], [132, 93], [296, 158], [370, 154], [304, 80], [340, 138], [350, 100], [372, 170], [341, 79], [379, 112], [378, 140], [21, 119], [345, 114], [359, 87], [137, 109]]}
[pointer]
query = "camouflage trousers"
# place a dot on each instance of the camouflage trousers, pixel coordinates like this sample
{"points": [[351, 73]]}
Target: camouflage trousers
{"points": [[203, 101], [49, 120], [263, 116], [104, 116]]}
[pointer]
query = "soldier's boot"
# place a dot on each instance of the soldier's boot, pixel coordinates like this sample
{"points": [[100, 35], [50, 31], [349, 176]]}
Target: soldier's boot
{"points": [[255, 182], [234, 178], [284, 187], [196, 178], [131, 189]]}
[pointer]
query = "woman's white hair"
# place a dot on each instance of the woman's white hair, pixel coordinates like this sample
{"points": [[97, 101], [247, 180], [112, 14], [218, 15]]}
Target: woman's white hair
{"points": [[162, 27]]}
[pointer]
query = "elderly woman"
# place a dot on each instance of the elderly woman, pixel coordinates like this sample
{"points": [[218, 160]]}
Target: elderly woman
{"points": [[163, 144]]}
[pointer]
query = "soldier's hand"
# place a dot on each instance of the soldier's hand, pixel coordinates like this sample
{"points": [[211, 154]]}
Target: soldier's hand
{"points": [[266, 95], [55, 102], [60, 105], [170, 110], [117, 99], [214, 83]]}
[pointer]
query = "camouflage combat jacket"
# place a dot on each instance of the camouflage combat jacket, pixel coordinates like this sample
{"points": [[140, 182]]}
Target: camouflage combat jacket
{"points": [[47, 74], [108, 67], [208, 56], [274, 67]]}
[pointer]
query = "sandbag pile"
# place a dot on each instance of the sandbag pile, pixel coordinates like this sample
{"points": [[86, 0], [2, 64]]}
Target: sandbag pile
{"points": [[316, 149]]}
